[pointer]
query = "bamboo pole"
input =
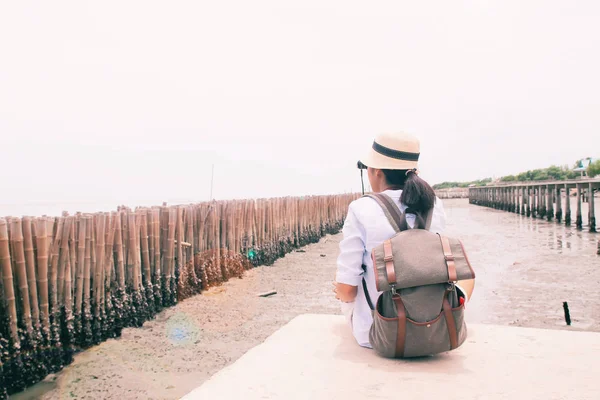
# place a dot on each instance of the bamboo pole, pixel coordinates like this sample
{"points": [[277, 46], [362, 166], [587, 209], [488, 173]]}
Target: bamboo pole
{"points": [[110, 328], [138, 250], [53, 286], [86, 306], [147, 270], [80, 270], [151, 252], [132, 277], [157, 259], [68, 316], [224, 242], [179, 234], [98, 284], [120, 299], [42, 274], [31, 275], [21, 274], [73, 250], [120, 267], [62, 258], [170, 216], [110, 251], [8, 283]]}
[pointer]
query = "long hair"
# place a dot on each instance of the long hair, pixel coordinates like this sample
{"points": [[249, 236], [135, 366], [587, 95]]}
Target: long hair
{"points": [[417, 195]]}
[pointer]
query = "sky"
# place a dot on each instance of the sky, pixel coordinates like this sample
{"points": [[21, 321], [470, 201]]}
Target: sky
{"points": [[133, 102]]}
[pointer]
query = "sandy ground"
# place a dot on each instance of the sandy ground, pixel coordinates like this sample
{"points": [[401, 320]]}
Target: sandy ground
{"points": [[526, 268], [185, 345]]}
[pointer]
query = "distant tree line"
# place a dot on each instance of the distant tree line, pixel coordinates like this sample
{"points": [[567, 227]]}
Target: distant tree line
{"points": [[554, 172], [594, 168], [448, 185], [545, 174]]}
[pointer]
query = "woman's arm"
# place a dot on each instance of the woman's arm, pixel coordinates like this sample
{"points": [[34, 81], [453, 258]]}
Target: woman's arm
{"points": [[349, 263], [345, 293]]}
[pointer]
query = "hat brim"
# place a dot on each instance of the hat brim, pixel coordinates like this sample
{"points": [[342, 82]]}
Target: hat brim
{"points": [[376, 160]]}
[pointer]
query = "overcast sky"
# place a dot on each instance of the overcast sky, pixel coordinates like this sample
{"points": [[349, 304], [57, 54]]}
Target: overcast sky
{"points": [[131, 102]]}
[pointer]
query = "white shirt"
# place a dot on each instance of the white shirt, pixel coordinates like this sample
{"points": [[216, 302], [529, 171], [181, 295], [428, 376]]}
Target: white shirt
{"points": [[366, 227]]}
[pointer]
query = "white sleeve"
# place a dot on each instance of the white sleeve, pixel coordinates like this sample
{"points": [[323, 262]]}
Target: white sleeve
{"points": [[438, 219], [352, 249]]}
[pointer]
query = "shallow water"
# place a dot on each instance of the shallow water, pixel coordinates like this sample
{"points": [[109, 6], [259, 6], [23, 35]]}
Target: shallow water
{"points": [[527, 267]]}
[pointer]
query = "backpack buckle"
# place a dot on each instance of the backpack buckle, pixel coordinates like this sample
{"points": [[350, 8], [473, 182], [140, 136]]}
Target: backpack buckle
{"points": [[449, 257], [393, 288]]}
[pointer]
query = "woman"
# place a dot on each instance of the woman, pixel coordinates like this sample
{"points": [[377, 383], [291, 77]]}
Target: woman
{"points": [[392, 169]]}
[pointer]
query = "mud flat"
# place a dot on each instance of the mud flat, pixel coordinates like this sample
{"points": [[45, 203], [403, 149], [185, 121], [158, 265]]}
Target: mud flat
{"points": [[526, 268]]}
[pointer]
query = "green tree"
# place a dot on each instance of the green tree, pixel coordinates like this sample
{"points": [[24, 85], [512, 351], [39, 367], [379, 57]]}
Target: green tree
{"points": [[594, 169]]}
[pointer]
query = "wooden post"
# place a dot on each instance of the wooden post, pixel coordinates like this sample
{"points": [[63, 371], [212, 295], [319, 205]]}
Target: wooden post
{"points": [[579, 221], [521, 199], [591, 212], [549, 207], [567, 205], [498, 198], [542, 201], [527, 200], [558, 203], [534, 202]]}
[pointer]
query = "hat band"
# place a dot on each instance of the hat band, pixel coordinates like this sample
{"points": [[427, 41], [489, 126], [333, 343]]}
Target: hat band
{"points": [[396, 154]]}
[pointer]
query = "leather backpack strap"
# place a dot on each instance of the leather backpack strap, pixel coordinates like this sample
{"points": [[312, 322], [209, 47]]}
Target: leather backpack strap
{"points": [[401, 336], [449, 257], [450, 322], [391, 211]]}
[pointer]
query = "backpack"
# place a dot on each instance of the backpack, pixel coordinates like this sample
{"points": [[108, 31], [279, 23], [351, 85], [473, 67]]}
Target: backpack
{"points": [[419, 312]]}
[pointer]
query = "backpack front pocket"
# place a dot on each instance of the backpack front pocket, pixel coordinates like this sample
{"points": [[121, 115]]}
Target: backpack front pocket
{"points": [[394, 337]]}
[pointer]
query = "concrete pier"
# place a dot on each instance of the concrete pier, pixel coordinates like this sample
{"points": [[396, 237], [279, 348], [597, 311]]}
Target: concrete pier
{"points": [[315, 357], [541, 199]]}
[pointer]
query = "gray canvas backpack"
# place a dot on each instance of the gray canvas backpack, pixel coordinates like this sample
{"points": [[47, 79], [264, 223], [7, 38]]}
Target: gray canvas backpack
{"points": [[419, 312]]}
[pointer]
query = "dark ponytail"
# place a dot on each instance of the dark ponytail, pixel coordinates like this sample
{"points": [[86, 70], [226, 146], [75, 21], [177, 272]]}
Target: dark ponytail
{"points": [[417, 195]]}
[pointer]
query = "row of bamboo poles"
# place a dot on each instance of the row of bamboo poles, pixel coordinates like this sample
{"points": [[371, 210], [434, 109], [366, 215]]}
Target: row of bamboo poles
{"points": [[70, 282]]}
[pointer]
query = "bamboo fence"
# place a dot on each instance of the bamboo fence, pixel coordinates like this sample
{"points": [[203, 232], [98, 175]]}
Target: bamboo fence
{"points": [[73, 281]]}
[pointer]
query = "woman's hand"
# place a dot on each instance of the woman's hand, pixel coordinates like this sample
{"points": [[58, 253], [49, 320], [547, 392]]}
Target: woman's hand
{"points": [[344, 293]]}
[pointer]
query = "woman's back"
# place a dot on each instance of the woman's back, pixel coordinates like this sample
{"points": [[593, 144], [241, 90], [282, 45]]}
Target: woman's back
{"points": [[366, 227]]}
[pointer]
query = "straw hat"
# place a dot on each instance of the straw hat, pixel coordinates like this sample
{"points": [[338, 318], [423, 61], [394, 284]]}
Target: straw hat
{"points": [[393, 151]]}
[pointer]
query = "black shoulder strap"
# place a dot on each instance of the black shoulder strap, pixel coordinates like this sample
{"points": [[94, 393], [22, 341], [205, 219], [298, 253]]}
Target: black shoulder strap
{"points": [[364, 285]]}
